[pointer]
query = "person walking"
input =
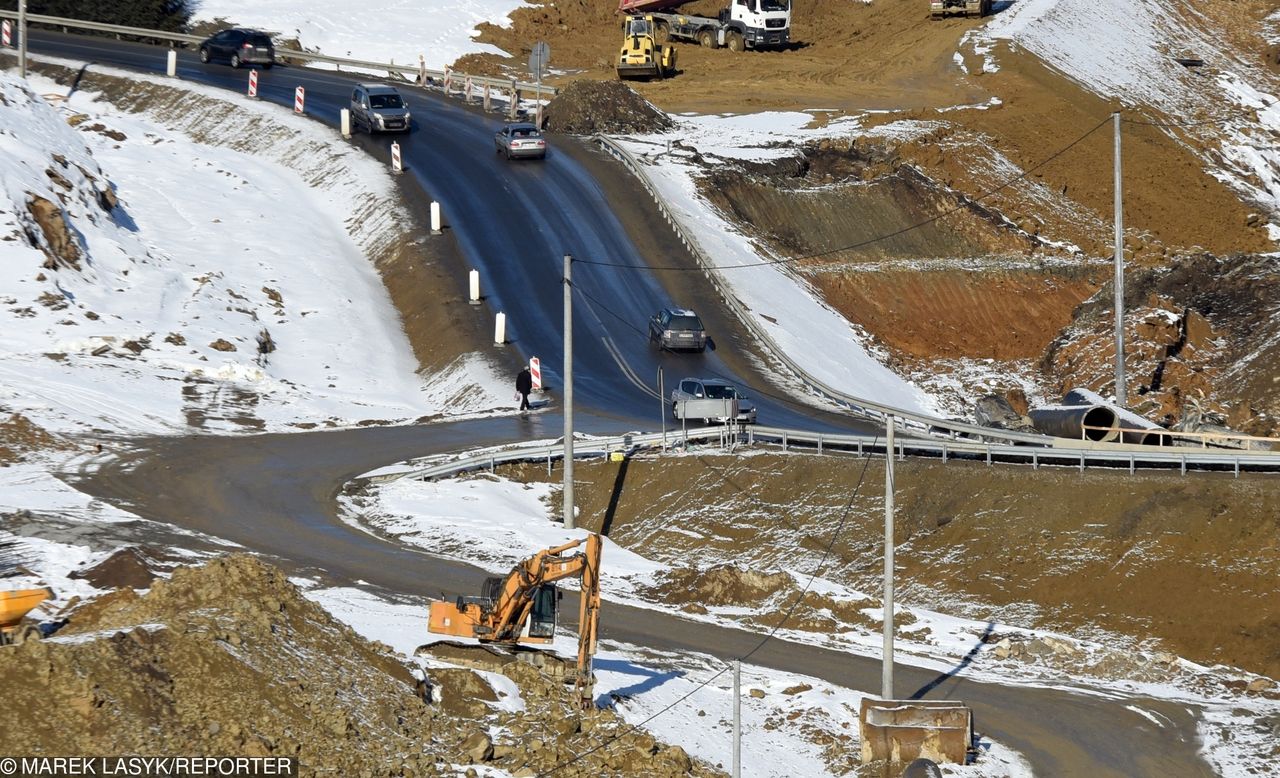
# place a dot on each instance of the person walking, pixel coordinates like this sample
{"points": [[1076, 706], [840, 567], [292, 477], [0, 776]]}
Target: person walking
{"points": [[524, 385]]}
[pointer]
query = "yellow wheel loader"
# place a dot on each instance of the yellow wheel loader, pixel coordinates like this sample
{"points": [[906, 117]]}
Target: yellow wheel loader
{"points": [[642, 56]]}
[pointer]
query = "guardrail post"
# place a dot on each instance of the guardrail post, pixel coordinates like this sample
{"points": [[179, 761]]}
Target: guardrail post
{"points": [[988, 454], [819, 443], [488, 106], [171, 64], [1131, 464], [1237, 467], [515, 101], [784, 441], [1035, 461], [548, 461], [1184, 464], [1081, 461], [944, 453]]}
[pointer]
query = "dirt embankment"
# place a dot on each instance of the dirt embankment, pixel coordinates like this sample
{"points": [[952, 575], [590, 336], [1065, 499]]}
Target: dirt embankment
{"points": [[1184, 564], [230, 658], [1203, 339]]}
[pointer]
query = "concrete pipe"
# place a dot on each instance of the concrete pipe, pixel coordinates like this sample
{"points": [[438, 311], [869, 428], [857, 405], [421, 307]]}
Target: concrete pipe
{"points": [[1133, 428], [1078, 422]]}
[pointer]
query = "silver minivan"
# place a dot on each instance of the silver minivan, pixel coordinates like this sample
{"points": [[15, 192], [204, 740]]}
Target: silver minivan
{"points": [[379, 108]]}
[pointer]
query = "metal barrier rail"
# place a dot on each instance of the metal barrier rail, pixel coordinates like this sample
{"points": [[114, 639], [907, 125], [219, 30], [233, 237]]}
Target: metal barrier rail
{"points": [[390, 67], [1130, 457], [913, 422]]}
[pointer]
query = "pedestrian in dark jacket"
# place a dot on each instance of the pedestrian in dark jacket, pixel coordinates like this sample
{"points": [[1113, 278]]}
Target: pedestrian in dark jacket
{"points": [[524, 385]]}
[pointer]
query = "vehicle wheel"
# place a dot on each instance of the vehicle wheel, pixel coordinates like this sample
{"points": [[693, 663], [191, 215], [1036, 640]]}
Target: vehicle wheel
{"points": [[235, 60], [734, 41], [661, 33], [706, 39], [204, 56]]}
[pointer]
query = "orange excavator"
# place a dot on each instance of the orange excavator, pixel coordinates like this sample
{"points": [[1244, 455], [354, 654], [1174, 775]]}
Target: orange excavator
{"points": [[521, 608]]}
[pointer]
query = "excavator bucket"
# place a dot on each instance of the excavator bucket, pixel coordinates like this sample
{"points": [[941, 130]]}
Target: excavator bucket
{"points": [[15, 605]]}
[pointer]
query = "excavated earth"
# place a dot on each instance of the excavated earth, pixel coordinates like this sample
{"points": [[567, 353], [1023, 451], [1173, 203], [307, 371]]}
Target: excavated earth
{"points": [[1181, 564], [985, 296], [230, 658]]}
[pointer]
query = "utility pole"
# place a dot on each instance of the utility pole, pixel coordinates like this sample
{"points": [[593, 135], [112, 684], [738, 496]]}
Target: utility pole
{"points": [[568, 392], [886, 672], [737, 718], [22, 38], [1119, 263], [662, 408]]}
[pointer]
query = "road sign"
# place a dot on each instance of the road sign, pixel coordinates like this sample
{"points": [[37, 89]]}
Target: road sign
{"points": [[538, 59]]}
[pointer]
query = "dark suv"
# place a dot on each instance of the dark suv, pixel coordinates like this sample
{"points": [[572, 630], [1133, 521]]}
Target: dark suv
{"points": [[677, 328], [239, 46]]}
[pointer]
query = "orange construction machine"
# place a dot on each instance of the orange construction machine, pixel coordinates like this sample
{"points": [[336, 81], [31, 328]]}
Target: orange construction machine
{"points": [[521, 608]]}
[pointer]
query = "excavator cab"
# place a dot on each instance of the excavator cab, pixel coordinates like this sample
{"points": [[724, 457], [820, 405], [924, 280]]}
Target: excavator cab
{"points": [[542, 616]]}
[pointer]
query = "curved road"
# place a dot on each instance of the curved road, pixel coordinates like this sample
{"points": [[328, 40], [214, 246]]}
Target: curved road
{"points": [[276, 493]]}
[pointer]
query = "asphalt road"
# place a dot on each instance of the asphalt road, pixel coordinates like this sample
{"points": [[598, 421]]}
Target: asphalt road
{"points": [[255, 491], [276, 493]]}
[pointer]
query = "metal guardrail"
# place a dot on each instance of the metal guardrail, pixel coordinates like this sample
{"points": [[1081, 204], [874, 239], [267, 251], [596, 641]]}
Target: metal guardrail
{"points": [[1130, 457], [410, 70], [913, 422]]}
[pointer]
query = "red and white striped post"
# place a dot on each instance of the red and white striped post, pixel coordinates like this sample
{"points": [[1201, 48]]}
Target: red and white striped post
{"points": [[448, 79], [299, 96], [6, 34], [253, 83], [535, 368], [396, 165], [466, 95]]}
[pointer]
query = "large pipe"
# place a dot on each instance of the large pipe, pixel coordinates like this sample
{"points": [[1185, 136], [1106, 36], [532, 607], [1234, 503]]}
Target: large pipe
{"points": [[1133, 428], [1078, 422]]}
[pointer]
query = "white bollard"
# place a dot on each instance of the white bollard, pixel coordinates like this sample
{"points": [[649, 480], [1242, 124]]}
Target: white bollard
{"points": [[538, 114], [488, 105], [397, 166], [466, 91], [253, 84], [500, 329], [448, 80], [473, 279], [171, 67], [435, 218], [299, 96], [344, 118], [6, 34], [535, 370]]}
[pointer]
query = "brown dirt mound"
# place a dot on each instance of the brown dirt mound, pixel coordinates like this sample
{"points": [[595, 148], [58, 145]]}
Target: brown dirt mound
{"points": [[134, 567], [230, 658], [585, 107]]}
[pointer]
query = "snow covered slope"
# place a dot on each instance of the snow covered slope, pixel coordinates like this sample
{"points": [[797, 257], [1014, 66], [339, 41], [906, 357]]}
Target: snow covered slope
{"points": [[149, 283]]}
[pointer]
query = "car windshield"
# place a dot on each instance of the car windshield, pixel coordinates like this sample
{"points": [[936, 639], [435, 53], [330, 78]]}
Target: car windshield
{"points": [[718, 392], [385, 101], [774, 5], [685, 323]]}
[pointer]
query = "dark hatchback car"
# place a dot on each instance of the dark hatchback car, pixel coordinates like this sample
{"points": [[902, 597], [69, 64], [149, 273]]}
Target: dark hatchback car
{"points": [[238, 47]]}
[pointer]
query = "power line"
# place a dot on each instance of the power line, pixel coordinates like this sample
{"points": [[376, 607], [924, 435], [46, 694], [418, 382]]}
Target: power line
{"points": [[869, 241]]}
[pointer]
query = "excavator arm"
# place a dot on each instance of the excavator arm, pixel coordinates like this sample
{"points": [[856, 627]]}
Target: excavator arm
{"points": [[503, 613]]}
